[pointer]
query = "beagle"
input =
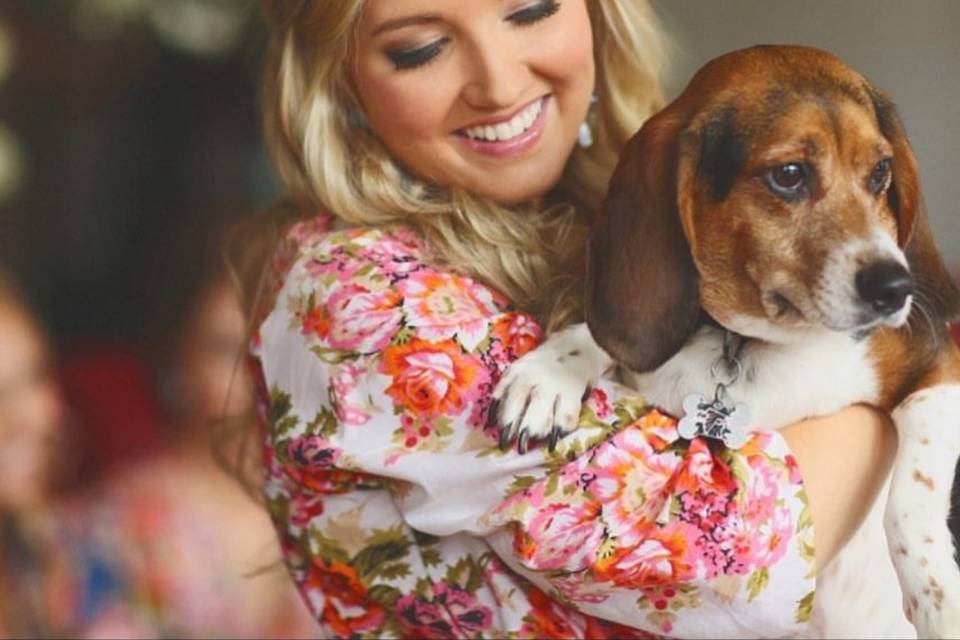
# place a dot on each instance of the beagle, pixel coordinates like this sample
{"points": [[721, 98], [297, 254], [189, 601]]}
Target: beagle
{"points": [[771, 219]]}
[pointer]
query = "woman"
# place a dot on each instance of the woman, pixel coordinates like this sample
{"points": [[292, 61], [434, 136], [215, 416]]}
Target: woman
{"points": [[31, 461], [455, 152], [169, 546]]}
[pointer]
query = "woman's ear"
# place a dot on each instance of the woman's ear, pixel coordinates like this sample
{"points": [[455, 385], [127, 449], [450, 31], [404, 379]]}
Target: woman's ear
{"points": [[643, 300], [936, 289]]}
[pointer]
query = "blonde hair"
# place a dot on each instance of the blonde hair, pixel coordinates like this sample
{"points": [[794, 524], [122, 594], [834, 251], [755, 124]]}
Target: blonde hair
{"points": [[531, 252]]}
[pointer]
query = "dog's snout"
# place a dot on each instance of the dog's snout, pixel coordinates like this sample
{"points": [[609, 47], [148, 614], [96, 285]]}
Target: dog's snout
{"points": [[885, 286]]}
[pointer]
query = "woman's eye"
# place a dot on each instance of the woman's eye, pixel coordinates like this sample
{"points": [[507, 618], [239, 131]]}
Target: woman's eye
{"points": [[413, 58], [787, 180], [534, 13], [880, 176]]}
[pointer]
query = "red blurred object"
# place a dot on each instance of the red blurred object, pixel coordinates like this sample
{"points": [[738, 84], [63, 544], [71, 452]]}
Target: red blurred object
{"points": [[110, 393], [955, 331]]}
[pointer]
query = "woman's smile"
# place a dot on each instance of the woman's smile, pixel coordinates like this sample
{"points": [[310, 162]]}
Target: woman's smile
{"points": [[511, 136]]}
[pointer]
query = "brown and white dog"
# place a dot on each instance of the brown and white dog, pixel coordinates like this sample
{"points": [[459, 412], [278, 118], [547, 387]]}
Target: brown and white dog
{"points": [[778, 199]]}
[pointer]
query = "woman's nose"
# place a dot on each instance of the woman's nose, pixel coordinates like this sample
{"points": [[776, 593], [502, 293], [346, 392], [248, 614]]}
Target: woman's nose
{"points": [[497, 77]]}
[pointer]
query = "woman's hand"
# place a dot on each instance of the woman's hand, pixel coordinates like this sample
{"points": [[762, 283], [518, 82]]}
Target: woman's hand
{"points": [[844, 459]]}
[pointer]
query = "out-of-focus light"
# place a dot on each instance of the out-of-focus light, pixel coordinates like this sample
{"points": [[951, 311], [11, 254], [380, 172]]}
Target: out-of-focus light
{"points": [[12, 164], [8, 52], [200, 27], [99, 20]]}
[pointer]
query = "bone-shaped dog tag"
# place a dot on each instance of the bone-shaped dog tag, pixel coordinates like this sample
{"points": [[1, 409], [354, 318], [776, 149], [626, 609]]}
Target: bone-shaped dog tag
{"points": [[711, 418]]}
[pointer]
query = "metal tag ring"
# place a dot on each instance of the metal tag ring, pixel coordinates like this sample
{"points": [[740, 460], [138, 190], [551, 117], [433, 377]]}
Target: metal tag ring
{"points": [[731, 363]]}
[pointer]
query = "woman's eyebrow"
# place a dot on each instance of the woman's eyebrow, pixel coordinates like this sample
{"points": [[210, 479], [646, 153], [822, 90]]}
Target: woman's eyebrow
{"points": [[406, 21]]}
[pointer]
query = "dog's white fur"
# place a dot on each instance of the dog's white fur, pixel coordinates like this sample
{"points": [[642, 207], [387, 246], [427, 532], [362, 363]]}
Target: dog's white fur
{"points": [[788, 375]]}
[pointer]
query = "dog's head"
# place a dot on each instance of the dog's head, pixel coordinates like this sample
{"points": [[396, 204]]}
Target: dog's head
{"points": [[778, 194]]}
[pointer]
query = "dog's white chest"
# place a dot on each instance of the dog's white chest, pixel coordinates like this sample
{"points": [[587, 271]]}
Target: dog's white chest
{"points": [[781, 384]]}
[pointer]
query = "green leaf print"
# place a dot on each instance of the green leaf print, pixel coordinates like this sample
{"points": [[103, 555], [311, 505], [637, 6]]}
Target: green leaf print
{"points": [[758, 581], [280, 418], [805, 607]]}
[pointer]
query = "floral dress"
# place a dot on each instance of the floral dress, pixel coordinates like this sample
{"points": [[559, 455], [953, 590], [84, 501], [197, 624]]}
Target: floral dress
{"points": [[398, 516]]}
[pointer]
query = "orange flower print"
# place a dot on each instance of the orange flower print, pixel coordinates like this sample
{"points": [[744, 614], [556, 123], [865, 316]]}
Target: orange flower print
{"points": [[347, 610], [316, 322], [657, 559], [518, 332], [432, 378]]}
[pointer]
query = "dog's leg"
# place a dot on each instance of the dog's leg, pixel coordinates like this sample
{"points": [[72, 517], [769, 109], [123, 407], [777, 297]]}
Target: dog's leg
{"points": [[923, 550], [539, 396]]}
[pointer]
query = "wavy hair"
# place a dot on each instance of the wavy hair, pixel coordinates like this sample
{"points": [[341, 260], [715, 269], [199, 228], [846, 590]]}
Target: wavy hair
{"points": [[531, 252]]}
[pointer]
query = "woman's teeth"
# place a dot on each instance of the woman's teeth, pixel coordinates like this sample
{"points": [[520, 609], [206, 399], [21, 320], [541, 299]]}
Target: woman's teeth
{"points": [[507, 130]]}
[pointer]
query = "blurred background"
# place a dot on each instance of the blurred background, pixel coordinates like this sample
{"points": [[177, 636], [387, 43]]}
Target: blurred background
{"points": [[129, 142]]}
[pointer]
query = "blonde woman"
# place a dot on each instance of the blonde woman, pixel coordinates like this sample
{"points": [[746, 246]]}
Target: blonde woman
{"points": [[447, 157]]}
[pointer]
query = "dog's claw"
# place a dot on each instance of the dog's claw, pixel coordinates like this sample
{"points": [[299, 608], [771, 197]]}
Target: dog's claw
{"points": [[493, 414], [505, 436], [553, 438], [522, 441]]}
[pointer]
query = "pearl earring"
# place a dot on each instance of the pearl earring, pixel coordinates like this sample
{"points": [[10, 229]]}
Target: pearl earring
{"points": [[585, 134]]}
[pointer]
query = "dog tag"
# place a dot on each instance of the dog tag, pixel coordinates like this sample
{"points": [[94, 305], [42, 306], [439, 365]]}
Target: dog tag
{"points": [[711, 418]]}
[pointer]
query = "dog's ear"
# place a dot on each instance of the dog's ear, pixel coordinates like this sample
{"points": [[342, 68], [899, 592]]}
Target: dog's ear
{"points": [[643, 294], [936, 288]]}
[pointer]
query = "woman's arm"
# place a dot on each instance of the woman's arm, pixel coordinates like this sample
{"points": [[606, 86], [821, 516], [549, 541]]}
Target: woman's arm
{"points": [[845, 459]]}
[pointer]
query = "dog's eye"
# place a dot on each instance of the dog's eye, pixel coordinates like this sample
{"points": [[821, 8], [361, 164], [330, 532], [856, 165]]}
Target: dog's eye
{"points": [[787, 180], [880, 176]]}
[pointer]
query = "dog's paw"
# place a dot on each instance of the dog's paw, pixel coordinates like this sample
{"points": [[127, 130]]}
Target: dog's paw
{"points": [[539, 396], [537, 400]]}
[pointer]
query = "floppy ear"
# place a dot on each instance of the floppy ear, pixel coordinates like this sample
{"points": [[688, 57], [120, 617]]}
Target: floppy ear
{"points": [[936, 288], [643, 298]]}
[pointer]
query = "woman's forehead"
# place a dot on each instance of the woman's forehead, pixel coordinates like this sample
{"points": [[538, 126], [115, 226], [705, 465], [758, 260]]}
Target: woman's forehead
{"points": [[380, 16]]}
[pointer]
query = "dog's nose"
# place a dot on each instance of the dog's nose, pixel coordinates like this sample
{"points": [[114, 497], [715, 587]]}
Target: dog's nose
{"points": [[885, 286]]}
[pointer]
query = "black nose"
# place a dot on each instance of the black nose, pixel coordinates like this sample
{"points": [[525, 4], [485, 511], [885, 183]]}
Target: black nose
{"points": [[885, 286]]}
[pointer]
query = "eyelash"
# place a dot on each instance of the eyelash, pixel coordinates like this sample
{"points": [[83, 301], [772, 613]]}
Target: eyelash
{"points": [[414, 58]]}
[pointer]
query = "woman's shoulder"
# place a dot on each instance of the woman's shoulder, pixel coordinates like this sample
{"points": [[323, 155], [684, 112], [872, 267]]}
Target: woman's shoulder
{"points": [[325, 233]]}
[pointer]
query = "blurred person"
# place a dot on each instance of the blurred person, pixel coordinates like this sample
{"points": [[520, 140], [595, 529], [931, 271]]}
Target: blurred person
{"points": [[173, 546], [31, 438]]}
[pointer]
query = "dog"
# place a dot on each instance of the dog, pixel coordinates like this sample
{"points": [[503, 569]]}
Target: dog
{"points": [[763, 242]]}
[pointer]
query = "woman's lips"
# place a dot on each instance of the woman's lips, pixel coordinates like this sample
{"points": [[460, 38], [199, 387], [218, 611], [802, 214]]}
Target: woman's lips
{"points": [[514, 146]]}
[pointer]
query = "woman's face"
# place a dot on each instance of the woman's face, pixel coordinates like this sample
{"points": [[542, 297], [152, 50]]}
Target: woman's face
{"points": [[487, 95], [211, 352], [31, 411]]}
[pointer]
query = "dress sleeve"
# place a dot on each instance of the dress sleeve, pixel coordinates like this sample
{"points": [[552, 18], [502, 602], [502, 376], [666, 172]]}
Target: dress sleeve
{"points": [[389, 492]]}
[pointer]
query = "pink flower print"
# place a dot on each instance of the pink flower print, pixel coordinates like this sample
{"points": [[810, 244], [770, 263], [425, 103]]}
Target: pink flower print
{"points": [[442, 306], [313, 452], [304, 507], [562, 536], [597, 400], [395, 255], [344, 386], [794, 470], [362, 320], [447, 611], [631, 481], [580, 588]]}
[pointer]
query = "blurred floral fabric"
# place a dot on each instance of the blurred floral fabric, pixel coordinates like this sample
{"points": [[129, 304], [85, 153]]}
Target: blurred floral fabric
{"points": [[147, 558]]}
